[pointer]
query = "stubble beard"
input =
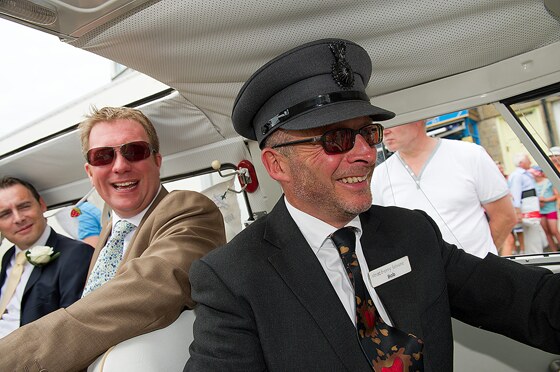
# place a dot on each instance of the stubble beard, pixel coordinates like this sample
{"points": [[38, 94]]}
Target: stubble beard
{"points": [[312, 193]]}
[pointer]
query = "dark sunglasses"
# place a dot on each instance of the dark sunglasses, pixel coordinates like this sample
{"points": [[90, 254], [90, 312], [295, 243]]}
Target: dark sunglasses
{"points": [[338, 141], [132, 151]]}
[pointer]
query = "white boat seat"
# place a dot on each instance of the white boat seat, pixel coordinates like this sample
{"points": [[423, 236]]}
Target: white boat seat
{"points": [[166, 349]]}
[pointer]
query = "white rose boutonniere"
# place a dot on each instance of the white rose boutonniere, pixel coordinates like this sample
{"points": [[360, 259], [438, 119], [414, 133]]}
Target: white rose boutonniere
{"points": [[41, 255]]}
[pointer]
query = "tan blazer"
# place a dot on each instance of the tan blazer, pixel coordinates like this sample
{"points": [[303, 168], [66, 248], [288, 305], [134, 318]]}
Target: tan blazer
{"points": [[149, 291]]}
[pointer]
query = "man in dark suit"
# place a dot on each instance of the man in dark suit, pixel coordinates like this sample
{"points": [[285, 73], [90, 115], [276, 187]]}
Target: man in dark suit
{"points": [[53, 267], [327, 282]]}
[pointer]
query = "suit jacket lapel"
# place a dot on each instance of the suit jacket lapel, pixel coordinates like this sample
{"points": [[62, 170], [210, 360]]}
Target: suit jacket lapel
{"points": [[163, 192], [106, 232], [298, 266], [398, 295], [37, 270], [5, 260]]}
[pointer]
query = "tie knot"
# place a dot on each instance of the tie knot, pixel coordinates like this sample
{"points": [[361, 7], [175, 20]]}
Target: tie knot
{"points": [[345, 240], [122, 228], [20, 258]]}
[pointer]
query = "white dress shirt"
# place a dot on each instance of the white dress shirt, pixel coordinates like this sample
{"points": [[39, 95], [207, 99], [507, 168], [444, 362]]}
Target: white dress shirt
{"points": [[317, 234], [11, 320]]}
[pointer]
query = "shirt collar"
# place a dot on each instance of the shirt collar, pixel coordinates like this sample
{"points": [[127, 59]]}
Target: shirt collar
{"points": [[315, 231]]}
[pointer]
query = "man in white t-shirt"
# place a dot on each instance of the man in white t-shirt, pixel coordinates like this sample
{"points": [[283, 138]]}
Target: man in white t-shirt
{"points": [[455, 182]]}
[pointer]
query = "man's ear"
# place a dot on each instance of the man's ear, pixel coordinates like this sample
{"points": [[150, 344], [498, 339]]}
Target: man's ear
{"points": [[275, 164], [88, 171], [42, 204], [158, 159]]}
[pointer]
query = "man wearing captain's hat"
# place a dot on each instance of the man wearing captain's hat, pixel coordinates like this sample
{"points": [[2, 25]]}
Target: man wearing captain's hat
{"points": [[326, 282]]}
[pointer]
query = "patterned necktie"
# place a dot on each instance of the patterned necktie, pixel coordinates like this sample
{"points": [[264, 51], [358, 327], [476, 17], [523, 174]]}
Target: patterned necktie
{"points": [[109, 258], [13, 281], [387, 349]]}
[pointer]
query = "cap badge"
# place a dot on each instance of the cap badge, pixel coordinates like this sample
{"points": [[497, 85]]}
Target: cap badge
{"points": [[341, 70]]}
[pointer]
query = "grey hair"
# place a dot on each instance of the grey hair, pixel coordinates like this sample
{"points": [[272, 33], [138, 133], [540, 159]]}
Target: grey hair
{"points": [[518, 158], [277, 137]]}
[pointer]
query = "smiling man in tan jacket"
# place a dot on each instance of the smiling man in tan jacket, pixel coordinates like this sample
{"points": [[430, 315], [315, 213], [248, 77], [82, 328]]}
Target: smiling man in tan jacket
{"points": [[166, 233]]}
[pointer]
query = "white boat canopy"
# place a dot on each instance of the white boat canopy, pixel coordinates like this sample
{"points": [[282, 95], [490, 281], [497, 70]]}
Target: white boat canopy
{"points": [[429, 57]]}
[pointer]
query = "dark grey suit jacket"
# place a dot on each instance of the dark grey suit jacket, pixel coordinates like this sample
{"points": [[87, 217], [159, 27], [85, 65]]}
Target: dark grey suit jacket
{"points": [[55, 285], [265, 302]]}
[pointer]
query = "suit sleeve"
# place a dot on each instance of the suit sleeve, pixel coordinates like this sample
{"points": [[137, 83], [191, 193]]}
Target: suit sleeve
{"points": [[221, 315], [503, 296], [148, 292], [515, 300]]}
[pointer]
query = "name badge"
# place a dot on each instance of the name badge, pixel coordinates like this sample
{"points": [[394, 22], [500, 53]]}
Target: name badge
{"points": [[390, 271]]}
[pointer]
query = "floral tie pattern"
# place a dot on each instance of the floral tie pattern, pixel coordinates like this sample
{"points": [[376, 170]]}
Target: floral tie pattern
{"points": [[109, 258], [387, 349]]}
